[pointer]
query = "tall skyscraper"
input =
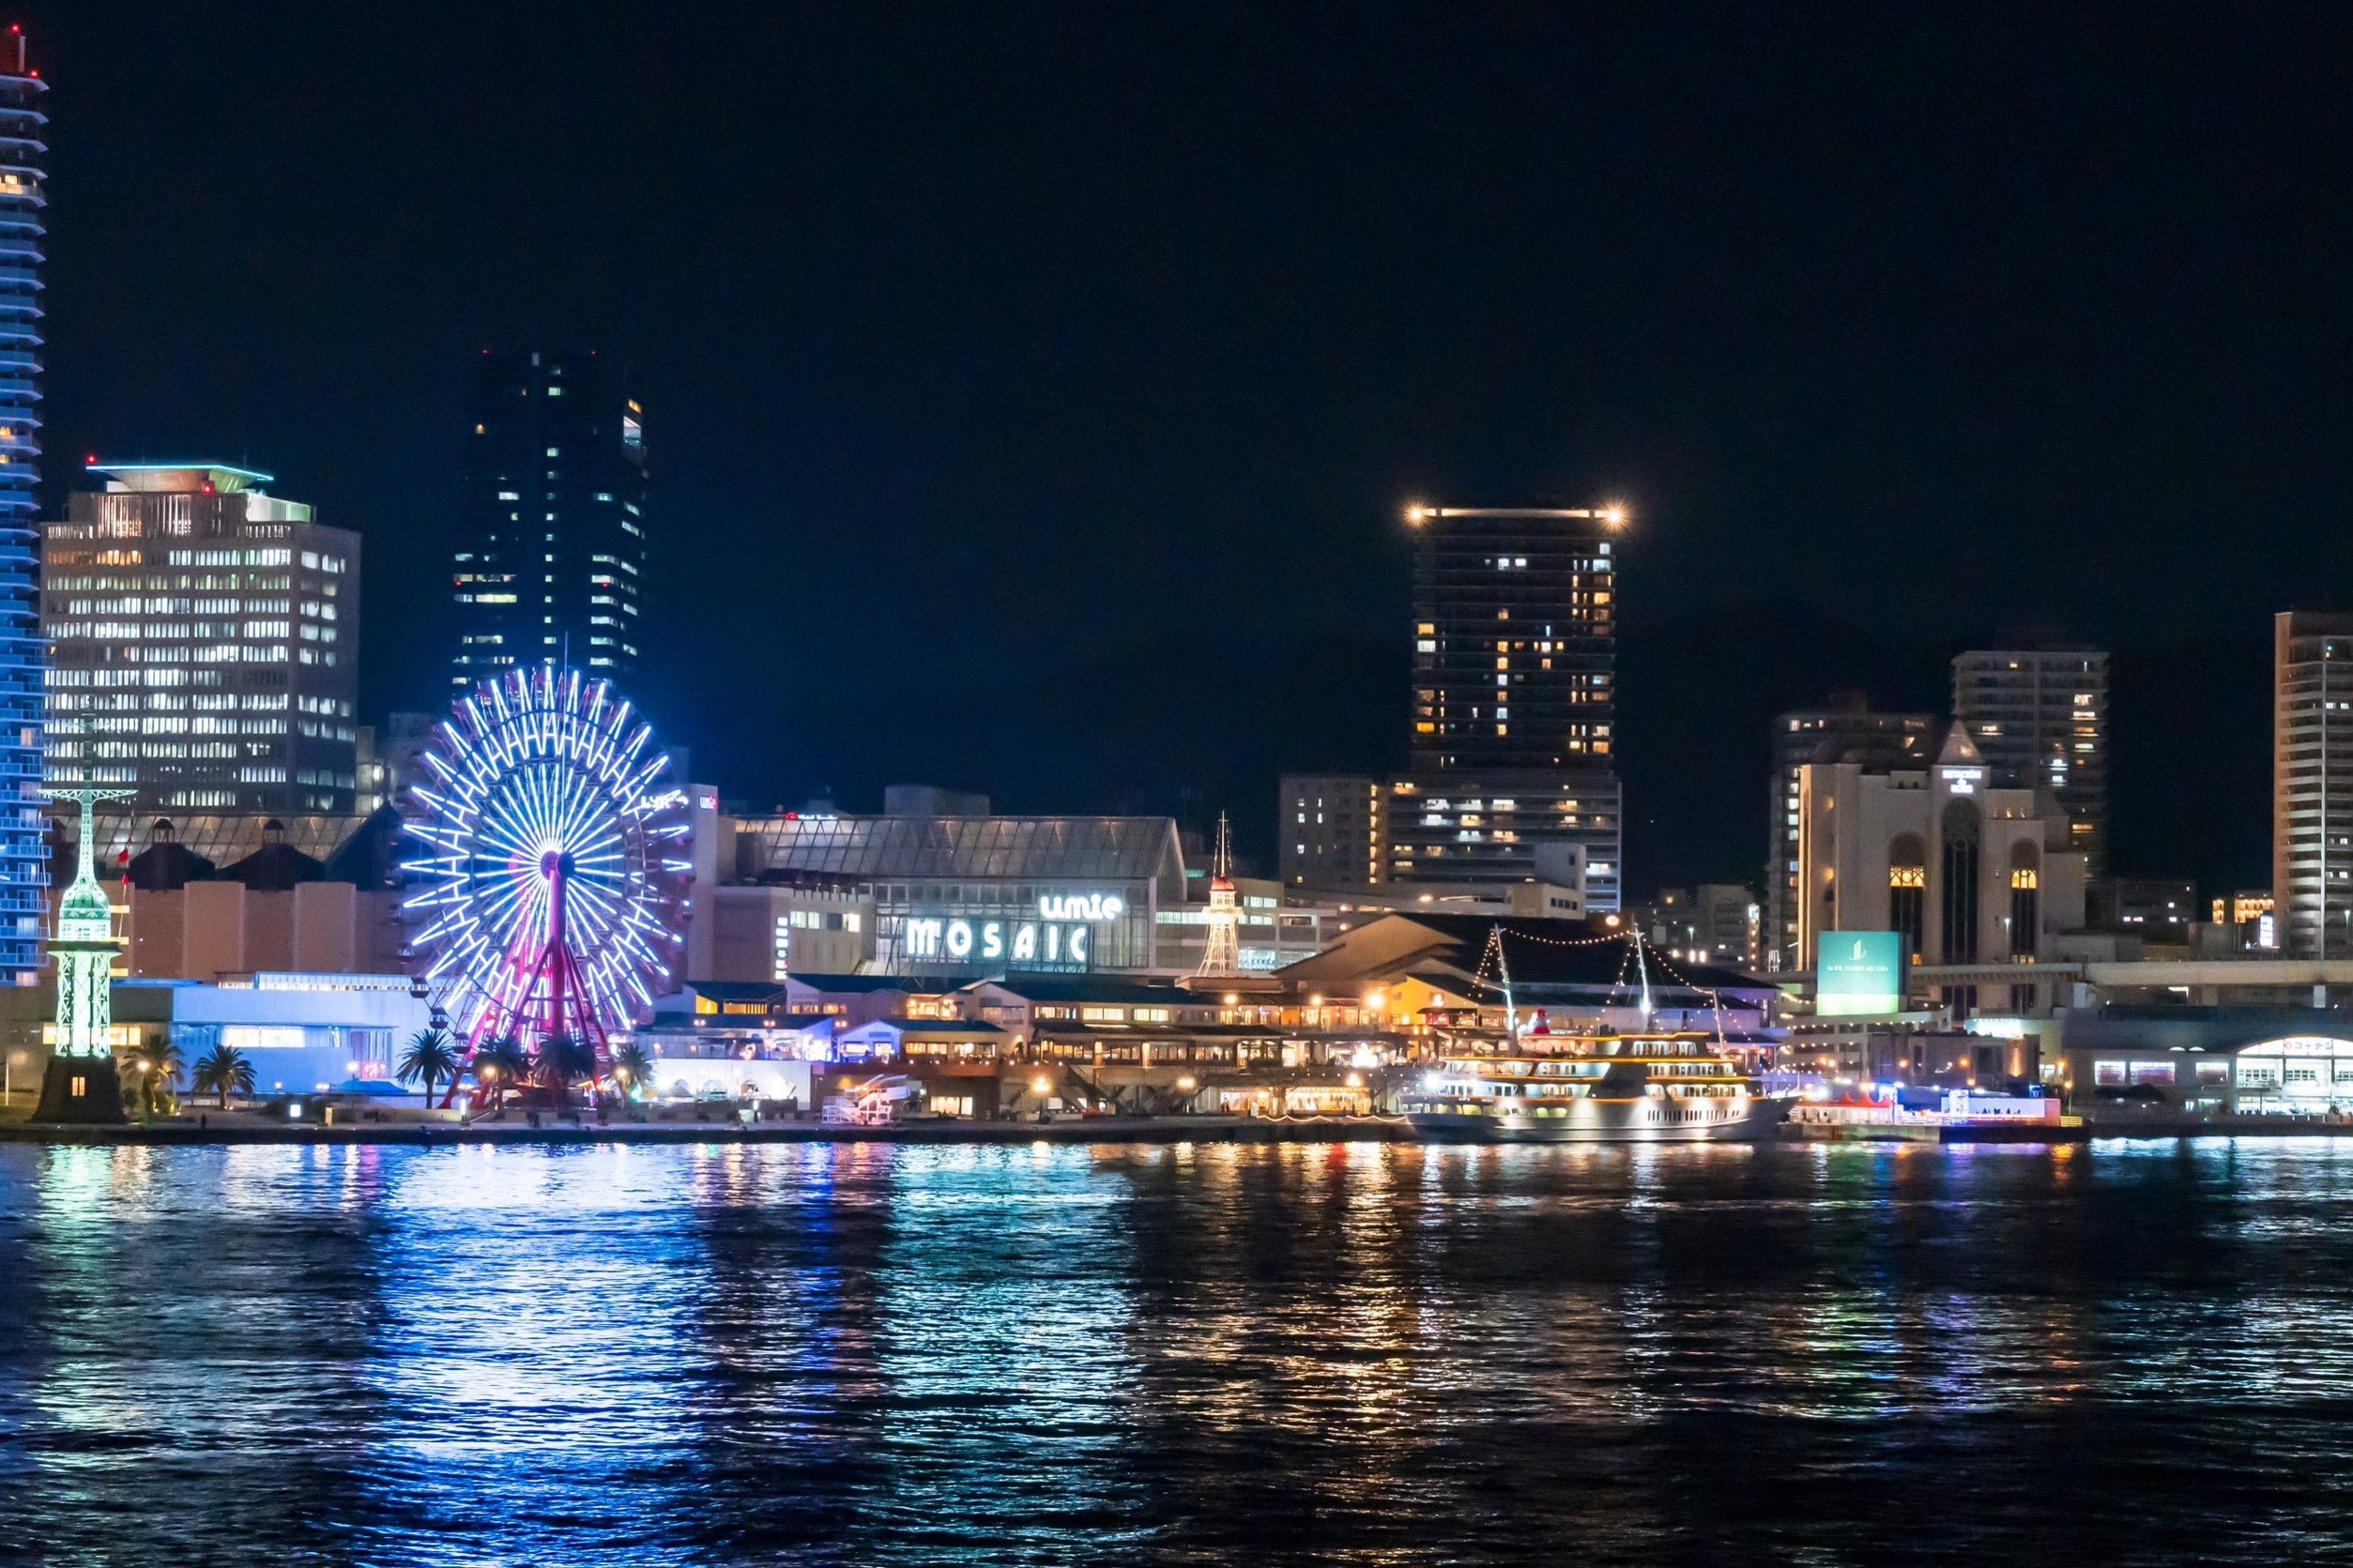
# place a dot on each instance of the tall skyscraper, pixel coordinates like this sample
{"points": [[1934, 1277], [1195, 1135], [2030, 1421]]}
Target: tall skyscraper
{"points": [[2312, 783], [2040, 718], [1845, 729], [24, 175], [554, 553], [206, 641], [1515, 664]]}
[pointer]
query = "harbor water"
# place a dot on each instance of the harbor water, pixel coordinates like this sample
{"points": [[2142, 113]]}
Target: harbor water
{"points": [[1346, 1353]]}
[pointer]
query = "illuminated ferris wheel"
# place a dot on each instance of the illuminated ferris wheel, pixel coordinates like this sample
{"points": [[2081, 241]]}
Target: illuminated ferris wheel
{"points": [[553, 893]]}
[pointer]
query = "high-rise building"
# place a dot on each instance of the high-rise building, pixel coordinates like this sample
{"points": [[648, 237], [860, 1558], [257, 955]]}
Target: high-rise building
{"points": [[205, 638], [1845, 729], [23, 174], [553, 558], [1331, 831], [1515, 656], [2312, 783], [2040, 718]]}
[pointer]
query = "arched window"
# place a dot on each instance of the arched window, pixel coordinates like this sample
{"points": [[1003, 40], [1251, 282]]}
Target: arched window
{"points": [[2025, 898], [1907, 891], [1959, 904]]}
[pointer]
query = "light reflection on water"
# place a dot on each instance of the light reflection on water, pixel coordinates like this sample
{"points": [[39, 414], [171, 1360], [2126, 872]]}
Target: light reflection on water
{"points": [[1361, 1353]]}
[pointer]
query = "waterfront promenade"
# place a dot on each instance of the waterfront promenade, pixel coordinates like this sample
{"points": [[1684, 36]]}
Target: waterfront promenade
{"points": [[245, 1129]]}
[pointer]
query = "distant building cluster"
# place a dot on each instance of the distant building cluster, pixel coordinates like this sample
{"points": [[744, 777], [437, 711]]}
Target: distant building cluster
{"points": [[1938, 897]]}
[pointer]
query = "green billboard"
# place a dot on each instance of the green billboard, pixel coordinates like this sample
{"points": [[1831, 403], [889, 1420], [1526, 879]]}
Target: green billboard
{"points": [[1858, 972]]}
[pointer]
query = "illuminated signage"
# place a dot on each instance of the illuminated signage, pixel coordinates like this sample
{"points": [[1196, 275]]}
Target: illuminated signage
{"points": [[1082, 907], [1964, 781], [1023, 944], [1858, 972]]}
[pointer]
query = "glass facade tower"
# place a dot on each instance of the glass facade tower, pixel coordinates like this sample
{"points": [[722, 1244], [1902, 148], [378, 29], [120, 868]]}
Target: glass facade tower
{"points": [[23, 859], [553, 555]]}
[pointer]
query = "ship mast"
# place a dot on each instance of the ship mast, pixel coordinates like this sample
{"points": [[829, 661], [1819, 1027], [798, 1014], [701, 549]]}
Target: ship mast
{"points": [[1503, 967], [1641, 965]]}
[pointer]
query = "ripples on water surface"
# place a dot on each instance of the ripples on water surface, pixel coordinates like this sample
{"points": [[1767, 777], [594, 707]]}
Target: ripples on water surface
{"points": [[1361, 1353]]}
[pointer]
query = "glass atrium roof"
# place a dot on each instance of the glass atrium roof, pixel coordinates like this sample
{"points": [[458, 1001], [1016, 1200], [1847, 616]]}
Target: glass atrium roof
{"points": [[1033, 848]]}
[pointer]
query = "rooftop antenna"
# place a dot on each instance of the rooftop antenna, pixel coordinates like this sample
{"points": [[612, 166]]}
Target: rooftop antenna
{"points": [[20, 49]]}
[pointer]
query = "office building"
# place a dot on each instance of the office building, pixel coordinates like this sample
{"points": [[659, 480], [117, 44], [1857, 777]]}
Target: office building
{"points": [[1845, 729], [24, 858], [2157, 909], [204, 642], [2040, 718], [1331, 832], [1515, 656], [1714, 923], [1964, 873], [2312, 783], [1728, 921], [552, 561], [1561, 828]]}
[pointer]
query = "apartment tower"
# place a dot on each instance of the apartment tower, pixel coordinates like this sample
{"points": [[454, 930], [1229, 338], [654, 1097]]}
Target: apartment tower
{"points": [[1515, 701], [23, 231], [2312, 783], [2040, 718]]}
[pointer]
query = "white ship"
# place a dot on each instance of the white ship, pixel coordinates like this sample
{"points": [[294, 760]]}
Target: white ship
{"points": [[1592, 1088], [1617, 1088]]}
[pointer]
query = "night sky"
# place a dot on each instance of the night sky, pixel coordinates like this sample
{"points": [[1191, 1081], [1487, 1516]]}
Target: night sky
{"points": [[1033, 390]]}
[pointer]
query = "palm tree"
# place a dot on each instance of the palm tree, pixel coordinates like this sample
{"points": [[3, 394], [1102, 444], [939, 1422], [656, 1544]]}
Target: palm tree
{"points": [[632, 1070], [156, 1068], [432, 1057], [223, 1071], [563, 1060], [499, 1065]]}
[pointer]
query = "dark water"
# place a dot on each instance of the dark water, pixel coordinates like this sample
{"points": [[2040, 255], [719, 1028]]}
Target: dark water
{"points": [[1352, 1354]]}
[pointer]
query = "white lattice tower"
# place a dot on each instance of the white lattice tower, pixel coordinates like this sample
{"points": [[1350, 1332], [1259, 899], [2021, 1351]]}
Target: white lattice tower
{"points": [[1224, 956]]}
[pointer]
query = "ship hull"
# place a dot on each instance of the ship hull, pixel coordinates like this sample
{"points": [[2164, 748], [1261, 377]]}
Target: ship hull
{"points": [[1643, 1121]]}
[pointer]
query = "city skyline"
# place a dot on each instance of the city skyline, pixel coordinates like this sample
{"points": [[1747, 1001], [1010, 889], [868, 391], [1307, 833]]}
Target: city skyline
{"points": [[816, 444]]}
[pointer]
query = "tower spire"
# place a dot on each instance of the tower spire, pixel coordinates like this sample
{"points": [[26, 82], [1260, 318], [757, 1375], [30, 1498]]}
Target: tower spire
{"points": [[1224, 953]]}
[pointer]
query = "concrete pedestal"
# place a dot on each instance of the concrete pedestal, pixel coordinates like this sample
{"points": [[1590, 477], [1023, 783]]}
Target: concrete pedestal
{"points": [[82, 1090]]}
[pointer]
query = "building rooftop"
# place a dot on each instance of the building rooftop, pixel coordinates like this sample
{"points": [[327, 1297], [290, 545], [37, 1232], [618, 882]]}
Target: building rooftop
{"points": [[1541, 952], [1106, 990], [1040, 848], [848, 985], [223, 478], [166, 850]]}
